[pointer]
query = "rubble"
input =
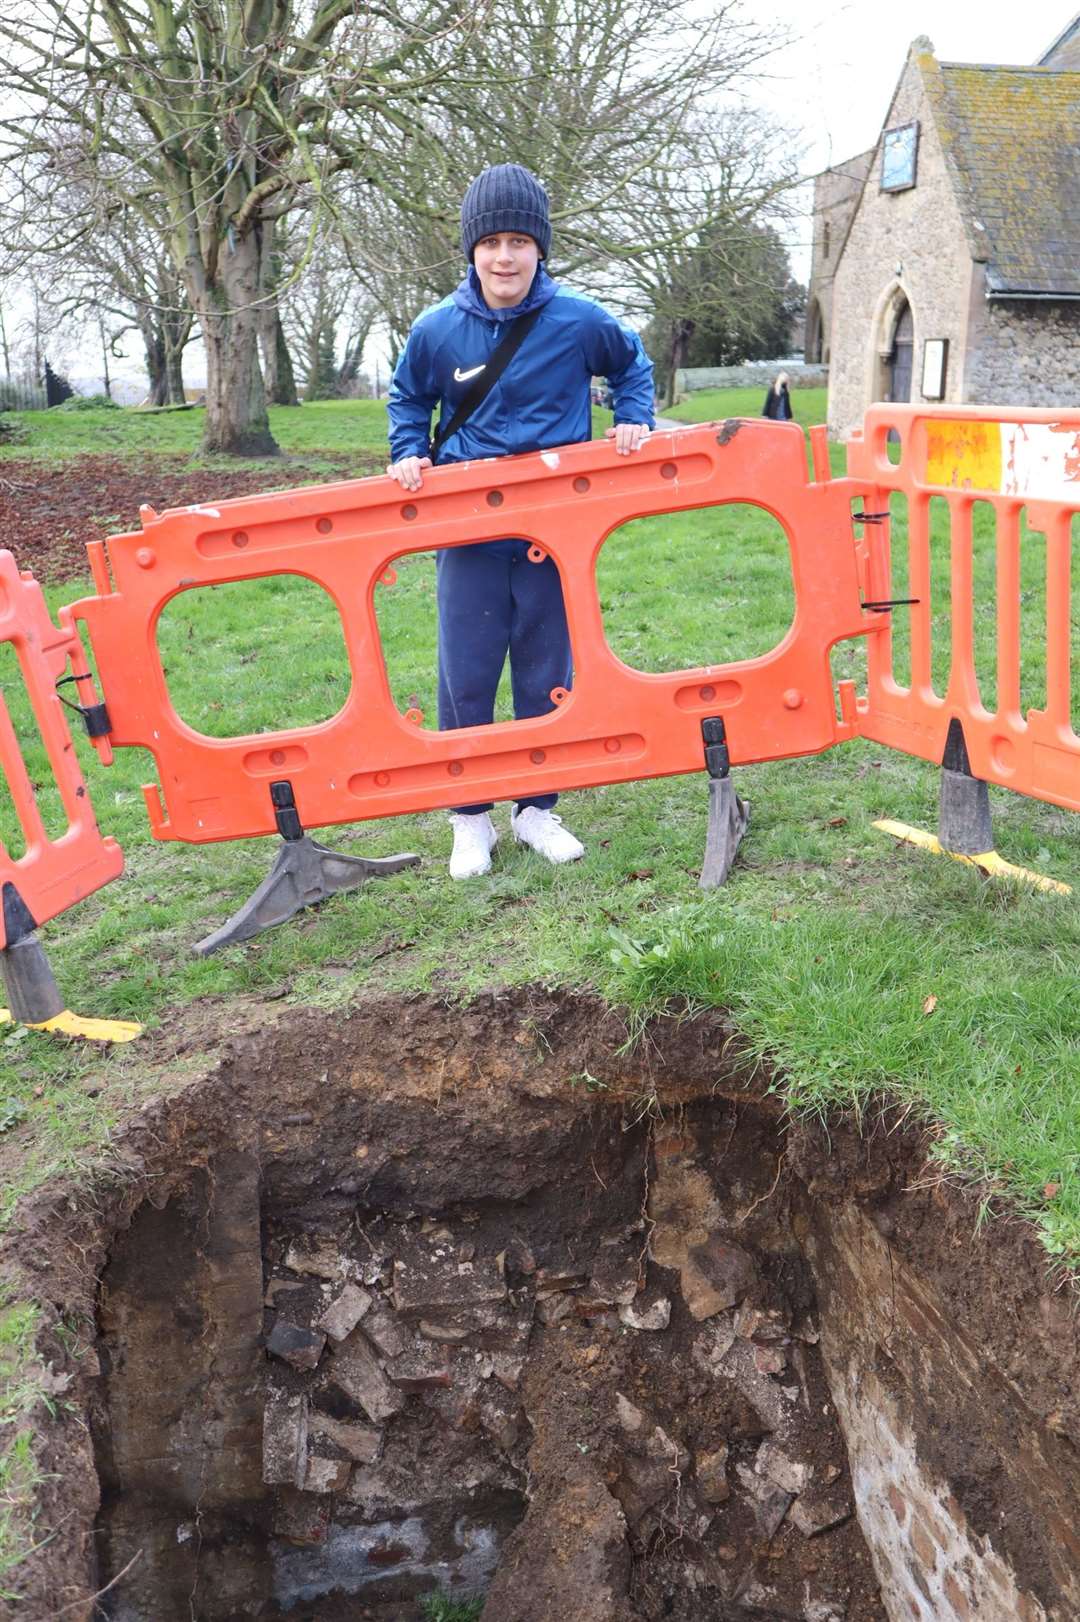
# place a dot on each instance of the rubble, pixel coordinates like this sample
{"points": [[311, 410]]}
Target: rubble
{"points": [[344, 1312], [294, 1344], [317, 1257], [362, 1443], [716, 1274], [656, 1315], [818, 1510], [380, 1326], [356, 1371], [783, 1471], [420, 1368], [285, 1434], [326, 1475], [710, 1470], [428, 1282]]}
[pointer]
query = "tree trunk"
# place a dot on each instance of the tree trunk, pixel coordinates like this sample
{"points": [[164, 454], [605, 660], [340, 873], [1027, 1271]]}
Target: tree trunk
{"points": [[174, 372], [156, 371], [681, 333], [279, 378], [227, 307]]}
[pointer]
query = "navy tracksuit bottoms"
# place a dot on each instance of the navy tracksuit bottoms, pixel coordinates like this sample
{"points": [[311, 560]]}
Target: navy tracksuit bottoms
{"points": [[492, 601]]}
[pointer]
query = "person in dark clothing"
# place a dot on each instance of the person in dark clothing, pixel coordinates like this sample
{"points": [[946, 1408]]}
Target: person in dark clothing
{"points": [[491, 600], [778, 400]]}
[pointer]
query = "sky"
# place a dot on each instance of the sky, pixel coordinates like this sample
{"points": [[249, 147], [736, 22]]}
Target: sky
{"points": [[836, 79], [832, 85]]}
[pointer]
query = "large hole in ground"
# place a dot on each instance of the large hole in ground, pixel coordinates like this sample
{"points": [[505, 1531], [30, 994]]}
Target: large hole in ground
{"points": [[476, 1303]]}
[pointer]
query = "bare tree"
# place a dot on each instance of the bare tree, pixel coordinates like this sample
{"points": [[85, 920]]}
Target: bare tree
{"points": [[598, 97], [214, 118]]}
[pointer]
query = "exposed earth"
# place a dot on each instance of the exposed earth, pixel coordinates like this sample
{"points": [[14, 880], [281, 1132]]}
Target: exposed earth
{"points": [[50, 513], [478, 1299]]}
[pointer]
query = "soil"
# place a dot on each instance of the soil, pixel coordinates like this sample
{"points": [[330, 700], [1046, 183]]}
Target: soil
{"points": [[50, 514], [404, 1120]]}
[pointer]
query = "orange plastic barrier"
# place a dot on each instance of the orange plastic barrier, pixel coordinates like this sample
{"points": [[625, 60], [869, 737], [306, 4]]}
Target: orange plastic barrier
{"points": [[1014, 460], [617, 724], [51, 874]]}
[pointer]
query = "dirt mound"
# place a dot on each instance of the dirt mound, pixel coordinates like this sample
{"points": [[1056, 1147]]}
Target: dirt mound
{"points": [[50, 512]]}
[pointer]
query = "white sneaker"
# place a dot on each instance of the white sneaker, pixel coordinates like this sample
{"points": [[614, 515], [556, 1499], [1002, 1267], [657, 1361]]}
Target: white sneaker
{"points": [[543, 831], [474, 840]]}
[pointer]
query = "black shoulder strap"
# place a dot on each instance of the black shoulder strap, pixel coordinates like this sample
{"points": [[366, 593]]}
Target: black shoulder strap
{"points": [[485, 381]]}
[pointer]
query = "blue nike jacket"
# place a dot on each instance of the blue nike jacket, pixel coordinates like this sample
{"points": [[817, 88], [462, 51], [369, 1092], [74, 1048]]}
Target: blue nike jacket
{"points": [[542, 398]]}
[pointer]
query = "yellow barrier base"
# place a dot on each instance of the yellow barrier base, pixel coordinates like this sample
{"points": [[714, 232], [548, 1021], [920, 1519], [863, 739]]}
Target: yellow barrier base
{"points": [[94, 1030], [988, 862]]}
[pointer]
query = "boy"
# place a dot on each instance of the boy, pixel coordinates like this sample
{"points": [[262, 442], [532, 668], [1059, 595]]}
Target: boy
{"points": [[491, 599]]}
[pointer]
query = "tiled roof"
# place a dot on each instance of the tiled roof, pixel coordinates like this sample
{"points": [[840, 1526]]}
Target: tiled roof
{"points": [[1010, 137], [1065, 51]]}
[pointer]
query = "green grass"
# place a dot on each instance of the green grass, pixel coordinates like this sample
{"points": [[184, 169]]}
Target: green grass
{"points": [[335, 427], [713, 405], [20, 1394], [827, 943], [442, 1607]]}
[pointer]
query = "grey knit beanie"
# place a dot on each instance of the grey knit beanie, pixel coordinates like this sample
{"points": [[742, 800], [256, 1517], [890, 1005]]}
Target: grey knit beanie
{"points": [[505, 198]]}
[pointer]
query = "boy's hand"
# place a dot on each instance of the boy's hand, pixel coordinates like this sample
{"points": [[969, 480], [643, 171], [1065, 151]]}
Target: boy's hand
{"points": [[628, 436], [409, 471]]}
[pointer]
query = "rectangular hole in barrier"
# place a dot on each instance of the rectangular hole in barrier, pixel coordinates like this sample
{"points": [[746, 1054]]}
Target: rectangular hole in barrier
{"points": [[900, 586], [893, 446], [984, 619], [1032, 617], [939, 531], [254, 656], [687, 589], [490, 584], [43, 783]]}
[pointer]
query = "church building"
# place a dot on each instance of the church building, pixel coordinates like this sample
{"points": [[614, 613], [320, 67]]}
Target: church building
{"points": [[946, 260]]}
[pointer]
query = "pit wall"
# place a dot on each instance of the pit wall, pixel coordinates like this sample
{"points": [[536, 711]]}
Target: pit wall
{"points": [[931, 1422], [951, 1358]]}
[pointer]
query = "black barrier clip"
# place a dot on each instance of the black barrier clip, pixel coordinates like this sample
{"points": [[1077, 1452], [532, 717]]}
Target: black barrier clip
{"points": [[886, 603], [95, 717], [869, 518]]}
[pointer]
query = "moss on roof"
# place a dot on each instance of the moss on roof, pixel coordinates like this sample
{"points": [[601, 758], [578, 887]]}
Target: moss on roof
{"points": [[1010, 136]]}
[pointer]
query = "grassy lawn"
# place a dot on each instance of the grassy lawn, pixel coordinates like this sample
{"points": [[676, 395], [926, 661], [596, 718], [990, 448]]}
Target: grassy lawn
{"points": [[328, 427], [711, 405], [829, 944], [853, 967]]}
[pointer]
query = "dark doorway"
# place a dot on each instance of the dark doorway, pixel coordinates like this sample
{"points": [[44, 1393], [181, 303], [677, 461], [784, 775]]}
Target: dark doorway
{"points": [[900, 356]]}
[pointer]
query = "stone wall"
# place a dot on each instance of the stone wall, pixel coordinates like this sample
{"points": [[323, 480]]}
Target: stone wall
{"points": [[965, 1494], [836, 196], [1025, 352], [753, 374], [909, 244]]}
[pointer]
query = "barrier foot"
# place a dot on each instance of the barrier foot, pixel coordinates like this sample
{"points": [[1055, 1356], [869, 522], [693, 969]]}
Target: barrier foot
{"points": [[987, 861], [304, 873], [35, 1000], [728, 818], [964, 825]]}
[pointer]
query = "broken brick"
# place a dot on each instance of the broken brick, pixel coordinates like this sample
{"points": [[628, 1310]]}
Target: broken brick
{"points": [[294, 1344], [326, 1475], [361, 1442], [344, 1312], [355, 1370], [285, 1432], [420, 1368], [427, 1283], [381, 1327]]}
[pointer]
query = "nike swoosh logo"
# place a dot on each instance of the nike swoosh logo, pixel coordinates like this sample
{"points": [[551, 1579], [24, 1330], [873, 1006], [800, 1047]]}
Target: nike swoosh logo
{"points": [[463, 377]]}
